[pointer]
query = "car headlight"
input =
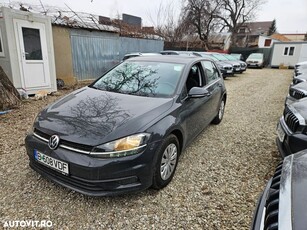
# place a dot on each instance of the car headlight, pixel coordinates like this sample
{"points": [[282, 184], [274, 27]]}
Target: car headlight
{"points": [[126, 146]]}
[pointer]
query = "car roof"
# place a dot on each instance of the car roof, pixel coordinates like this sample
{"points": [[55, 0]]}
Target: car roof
{"points": [[169, 58], [141, 54]]}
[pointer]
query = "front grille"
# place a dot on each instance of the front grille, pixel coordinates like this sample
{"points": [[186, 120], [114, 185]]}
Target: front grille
{"points": [[291, 120], [297, 94], [272, 202], [228, 68], [42, 134], [73, 145]]}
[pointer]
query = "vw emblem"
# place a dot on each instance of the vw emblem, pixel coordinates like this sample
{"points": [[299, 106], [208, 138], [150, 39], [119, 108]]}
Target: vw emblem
{"points": [[54, 142]]}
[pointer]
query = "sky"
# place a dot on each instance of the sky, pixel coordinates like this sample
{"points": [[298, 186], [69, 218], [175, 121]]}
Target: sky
{"points": [[290, 15]]}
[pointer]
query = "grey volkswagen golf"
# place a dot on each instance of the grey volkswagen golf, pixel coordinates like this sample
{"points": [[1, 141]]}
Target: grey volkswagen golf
{"points": [[125, 131]]}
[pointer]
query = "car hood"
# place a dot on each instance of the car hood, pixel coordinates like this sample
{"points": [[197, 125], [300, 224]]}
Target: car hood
{"points": [[233, 62], [302, 76], [300, 86], [91, 117], [301, 108], [302, 63], [293, 189], [223, 64]]}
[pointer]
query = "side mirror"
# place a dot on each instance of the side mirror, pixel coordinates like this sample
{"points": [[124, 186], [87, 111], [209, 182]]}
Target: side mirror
{"points": [[197, 92]]}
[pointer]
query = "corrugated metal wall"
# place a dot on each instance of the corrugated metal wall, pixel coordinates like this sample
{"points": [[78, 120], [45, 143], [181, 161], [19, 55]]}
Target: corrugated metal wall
{"points": [[95, 52], [130, 45]]}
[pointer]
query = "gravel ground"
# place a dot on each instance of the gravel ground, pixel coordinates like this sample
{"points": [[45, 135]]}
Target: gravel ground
{"points": [[216, 185]]}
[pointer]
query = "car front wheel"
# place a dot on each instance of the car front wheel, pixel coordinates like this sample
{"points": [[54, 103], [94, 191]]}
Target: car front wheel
{"points": [[166, 162]]}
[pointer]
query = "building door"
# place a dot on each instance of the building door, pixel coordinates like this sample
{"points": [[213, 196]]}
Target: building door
{"points": [[32, 54]]}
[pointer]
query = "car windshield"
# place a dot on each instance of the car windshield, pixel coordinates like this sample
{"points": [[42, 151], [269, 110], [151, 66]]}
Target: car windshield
{"points": [[256, 56], [236, 56], [220, 57], [142, 78], [231, 58], [209, 56]]}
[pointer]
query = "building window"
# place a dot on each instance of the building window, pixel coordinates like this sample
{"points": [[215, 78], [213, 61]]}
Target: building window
{"points": [[241, 30], [267, 42], [291, 52], [1, 45]]}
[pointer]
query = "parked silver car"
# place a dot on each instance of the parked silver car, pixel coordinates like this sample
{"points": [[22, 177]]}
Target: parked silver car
{"points": [[282, 205]]}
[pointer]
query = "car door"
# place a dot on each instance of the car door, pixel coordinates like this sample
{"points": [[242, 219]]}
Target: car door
{"points": [[214, 87], [194, 111]]}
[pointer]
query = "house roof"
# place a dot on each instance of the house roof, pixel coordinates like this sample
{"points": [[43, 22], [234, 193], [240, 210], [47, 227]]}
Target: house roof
{"points": [[280, 37], [256, 28], [65, 17]]}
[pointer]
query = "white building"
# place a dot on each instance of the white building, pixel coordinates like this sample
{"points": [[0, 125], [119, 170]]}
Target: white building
{"points": [[266, 41], [26, 50], [288, 53]]}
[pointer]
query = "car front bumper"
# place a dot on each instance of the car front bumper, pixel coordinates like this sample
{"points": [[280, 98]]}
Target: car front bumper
{"points": [[257, 65], [292, 142], [95, 176]]}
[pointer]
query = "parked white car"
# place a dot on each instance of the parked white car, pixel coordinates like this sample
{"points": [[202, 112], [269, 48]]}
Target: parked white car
{"points": [[255, 60]]}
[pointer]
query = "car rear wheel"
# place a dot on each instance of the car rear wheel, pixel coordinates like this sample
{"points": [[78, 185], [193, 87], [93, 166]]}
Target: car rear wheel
{"points": [[166, 162], [220, 114]]}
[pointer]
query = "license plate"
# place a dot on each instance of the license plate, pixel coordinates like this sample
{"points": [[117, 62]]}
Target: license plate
{"points": [[51, 162], [280, 133], [229, 71]]}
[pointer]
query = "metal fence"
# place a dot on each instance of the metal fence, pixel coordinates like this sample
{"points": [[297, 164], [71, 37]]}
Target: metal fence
{"points": [[94, 53], [267, 52], [130, 45]]}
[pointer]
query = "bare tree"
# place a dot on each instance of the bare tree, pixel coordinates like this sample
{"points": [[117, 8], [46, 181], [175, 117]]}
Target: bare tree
{"points": [[234, 13], [202, 16], [167, 23], [9, 96]]}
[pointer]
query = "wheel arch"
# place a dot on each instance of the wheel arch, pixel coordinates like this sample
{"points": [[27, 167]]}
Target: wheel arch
{"points": [[179, 136]]}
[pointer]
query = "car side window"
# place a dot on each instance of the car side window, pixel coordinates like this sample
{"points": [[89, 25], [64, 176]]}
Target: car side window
{"points": [[195, 77], [210, 70]]}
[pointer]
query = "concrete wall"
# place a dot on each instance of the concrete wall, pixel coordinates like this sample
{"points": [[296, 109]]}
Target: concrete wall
{"points": [[63, 54]]}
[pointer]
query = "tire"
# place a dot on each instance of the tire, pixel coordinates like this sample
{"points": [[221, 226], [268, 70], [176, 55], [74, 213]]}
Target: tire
{"points": [[166, 163], [220, 114]]}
